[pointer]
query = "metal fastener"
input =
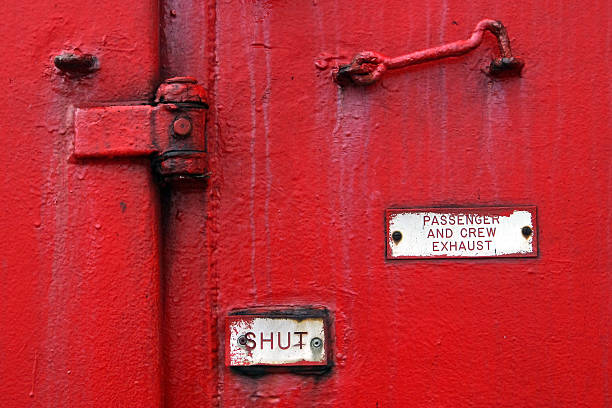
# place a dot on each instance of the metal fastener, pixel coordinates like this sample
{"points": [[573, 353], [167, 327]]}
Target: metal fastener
{"points": [[526, 231], [182, 127], [316, 343], [242, 340], [396, 236]]}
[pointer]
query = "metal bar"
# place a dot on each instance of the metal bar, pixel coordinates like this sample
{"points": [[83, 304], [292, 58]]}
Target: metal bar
{"points": [[367, 67]]}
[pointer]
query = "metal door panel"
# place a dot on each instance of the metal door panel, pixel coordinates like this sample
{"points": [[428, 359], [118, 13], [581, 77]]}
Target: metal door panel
{"points": [[79, 253], [305, 171]]}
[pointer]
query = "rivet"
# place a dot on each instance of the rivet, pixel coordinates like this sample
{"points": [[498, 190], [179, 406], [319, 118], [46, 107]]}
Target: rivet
{"points": [[526, 231], [181, 127], [242, 340]]}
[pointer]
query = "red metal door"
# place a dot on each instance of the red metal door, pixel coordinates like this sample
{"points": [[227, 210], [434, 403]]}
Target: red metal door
{"points": [[116, 291], [79, 253], [304, 171]]}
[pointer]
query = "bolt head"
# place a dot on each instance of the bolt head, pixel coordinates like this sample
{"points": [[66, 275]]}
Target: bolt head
{"points": [[242, 340], [182, 127]]}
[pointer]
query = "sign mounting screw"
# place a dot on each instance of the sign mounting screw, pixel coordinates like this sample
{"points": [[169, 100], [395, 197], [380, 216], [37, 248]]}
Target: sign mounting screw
{"points": [[526, 231], [396, 236], [316, 342]]}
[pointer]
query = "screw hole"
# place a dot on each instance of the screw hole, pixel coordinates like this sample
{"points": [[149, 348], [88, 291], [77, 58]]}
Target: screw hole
{"points": [[396, 236], [526, 231]]}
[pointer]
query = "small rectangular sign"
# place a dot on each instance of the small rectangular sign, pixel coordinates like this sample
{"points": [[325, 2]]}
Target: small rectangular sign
{"points": [[461, 232], [277, 338]]}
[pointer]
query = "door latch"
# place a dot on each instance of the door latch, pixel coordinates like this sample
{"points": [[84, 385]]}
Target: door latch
{"points": [[367, 67]]}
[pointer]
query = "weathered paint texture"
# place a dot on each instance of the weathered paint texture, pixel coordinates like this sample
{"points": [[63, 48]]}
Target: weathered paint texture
{"points": [[115, 292], [304, 171], [80, 248]]}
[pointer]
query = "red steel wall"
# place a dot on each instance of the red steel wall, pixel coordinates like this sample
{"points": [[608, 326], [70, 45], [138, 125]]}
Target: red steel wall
{"points": [[301, 174]]}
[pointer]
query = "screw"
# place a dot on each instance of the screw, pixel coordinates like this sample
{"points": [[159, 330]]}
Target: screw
{"points": [[242, 340], [316, 342], [181, 127], [527, 231], [396, 236]]}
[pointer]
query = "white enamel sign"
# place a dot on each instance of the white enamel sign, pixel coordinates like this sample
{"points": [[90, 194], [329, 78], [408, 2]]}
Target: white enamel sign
{"points": [[256, 340], [461, 232]]}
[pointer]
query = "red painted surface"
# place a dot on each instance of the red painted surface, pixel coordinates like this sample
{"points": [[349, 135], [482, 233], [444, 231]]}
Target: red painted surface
{"points": [[304, 171], [114, 291], [80, 248]]}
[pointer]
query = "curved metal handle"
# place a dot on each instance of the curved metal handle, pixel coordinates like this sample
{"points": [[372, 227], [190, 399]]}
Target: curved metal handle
{"points": [[367, 67]]}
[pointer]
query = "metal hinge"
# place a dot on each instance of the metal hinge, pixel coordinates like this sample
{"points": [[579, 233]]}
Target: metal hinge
{"points": [[171, 131]]}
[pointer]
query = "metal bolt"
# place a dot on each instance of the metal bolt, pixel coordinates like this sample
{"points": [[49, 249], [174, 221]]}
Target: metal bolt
{"points": [[242, 340], [396, 236], [527, 231], [182, 127], [316, 342]]}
